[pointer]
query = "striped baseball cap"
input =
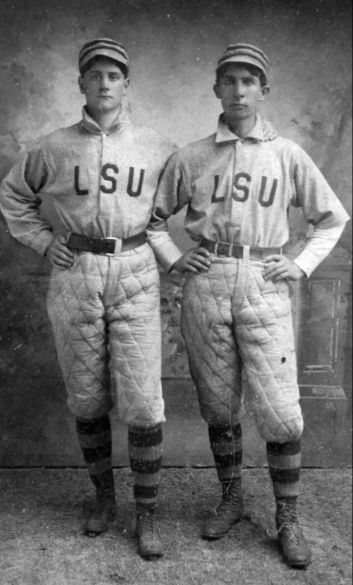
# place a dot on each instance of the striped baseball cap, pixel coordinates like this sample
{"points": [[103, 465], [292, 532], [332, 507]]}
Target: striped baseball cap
{"points": [[245, 53], [103, 48]]}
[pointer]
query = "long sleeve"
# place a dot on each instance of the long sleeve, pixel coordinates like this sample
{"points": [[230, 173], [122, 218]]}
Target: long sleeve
{"points": [[171, 196], [320, 205], [20, 202], [320, 244], [166, 251], [322, 209]]}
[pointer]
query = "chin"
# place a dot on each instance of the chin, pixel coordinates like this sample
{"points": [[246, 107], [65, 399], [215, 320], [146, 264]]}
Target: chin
{"points": [[106, 108], [238, 117]]}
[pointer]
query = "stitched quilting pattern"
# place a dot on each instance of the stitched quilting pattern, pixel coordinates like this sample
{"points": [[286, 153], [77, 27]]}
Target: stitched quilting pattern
{"points": [[237, 325], [212, 350], [105, 317]]}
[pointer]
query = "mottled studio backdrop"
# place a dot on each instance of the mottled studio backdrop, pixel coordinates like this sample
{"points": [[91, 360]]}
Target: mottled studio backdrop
{"points": [[173, 46]]}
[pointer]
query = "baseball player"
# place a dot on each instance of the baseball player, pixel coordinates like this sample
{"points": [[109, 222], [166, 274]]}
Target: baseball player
{"points": [[238, 185], [103, 300]]}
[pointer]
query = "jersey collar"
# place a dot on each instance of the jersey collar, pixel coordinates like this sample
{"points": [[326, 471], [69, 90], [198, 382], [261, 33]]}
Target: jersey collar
{"points": [[91, 126], [224, 134]]}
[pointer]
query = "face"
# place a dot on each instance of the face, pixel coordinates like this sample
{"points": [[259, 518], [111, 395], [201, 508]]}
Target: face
{"points": [[240, 93], [104, 86]]}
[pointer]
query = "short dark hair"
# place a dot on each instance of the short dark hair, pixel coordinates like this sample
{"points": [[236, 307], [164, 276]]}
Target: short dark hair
{"points": [[253, 70], [94, 60]]}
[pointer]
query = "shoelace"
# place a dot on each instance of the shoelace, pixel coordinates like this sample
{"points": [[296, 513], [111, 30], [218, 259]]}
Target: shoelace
{"points": [[289, 522], [148, 520], [230, 499]]}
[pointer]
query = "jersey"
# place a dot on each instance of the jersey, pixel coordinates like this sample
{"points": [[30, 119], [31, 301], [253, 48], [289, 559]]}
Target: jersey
{"points": [[101, 185], [240, 190]]}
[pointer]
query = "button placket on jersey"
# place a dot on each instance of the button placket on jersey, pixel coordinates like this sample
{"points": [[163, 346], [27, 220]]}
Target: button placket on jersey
{"points": [[237, 208], [106, 210], [100, 192]]}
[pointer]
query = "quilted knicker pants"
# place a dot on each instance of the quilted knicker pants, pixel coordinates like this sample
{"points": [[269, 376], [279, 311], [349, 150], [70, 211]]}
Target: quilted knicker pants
{"points": [[105, 316], [239, 336]]}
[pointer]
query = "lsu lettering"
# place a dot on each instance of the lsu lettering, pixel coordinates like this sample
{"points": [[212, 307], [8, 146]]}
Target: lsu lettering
{"points": [[109, 174], [241, 190]]}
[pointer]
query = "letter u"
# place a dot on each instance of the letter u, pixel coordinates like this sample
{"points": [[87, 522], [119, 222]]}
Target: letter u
{"points": [[130, 184]]}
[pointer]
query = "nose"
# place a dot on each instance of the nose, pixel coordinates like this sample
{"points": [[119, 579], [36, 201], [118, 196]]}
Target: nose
{"points": [[104, 82], [238, 89]]}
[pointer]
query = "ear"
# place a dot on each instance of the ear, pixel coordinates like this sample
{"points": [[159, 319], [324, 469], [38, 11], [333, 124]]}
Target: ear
{"points": [[216, 91], [81, 84], [126, 84], [265, 90]]}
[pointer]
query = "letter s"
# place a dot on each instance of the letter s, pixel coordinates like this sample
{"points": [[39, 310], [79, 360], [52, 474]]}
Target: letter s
{"points": [[241, 187], [108, 177]]}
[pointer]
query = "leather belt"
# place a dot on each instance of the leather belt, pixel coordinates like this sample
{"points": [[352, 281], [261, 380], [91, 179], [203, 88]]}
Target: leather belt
{"points": [[105, 246], [234, 251]]}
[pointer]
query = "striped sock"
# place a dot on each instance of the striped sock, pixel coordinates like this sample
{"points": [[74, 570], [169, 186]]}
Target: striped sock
{"points": [[226, 446], [145, 453], [96, 444], [284, 461]]}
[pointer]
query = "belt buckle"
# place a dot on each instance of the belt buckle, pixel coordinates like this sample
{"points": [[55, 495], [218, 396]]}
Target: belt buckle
{"points": [[117, 248], [223, 249]]}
